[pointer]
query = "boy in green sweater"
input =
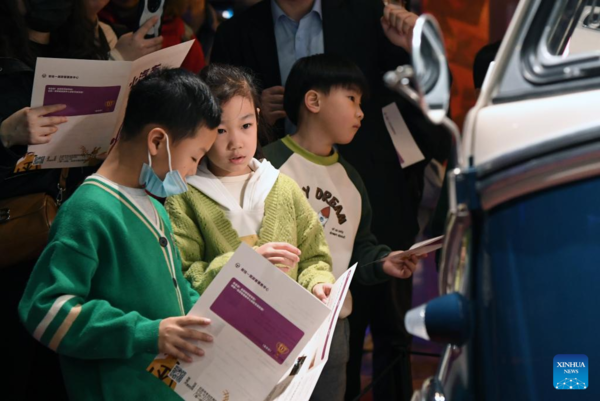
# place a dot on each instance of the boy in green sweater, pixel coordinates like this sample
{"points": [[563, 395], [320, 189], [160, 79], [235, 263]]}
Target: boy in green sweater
{"points": [[322, 98], [108, 293]]}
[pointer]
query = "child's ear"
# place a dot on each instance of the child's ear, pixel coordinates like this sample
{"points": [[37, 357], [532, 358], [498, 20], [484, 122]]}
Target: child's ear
{"points": [[312, 101], [156, 139]]}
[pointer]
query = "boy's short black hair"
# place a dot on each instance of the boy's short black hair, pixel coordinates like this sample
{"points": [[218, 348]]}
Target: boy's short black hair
{"points": [[320, 72], [175, 99]]}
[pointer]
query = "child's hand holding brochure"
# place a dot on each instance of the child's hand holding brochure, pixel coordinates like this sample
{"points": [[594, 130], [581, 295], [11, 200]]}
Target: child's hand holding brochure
{"points": [[261, 322], [418, 249]]}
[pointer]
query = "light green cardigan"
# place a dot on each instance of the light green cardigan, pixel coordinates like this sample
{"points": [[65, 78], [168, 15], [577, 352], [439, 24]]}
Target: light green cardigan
{"points": [[206, 239]]}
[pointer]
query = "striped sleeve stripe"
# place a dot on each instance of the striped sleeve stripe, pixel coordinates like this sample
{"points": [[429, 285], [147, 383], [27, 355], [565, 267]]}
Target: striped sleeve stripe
{"points": [[54, 309], [64, 327]]}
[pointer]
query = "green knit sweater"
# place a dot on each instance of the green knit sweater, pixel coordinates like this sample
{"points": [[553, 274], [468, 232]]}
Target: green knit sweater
{"points": [[206, 239], [99, 291]]}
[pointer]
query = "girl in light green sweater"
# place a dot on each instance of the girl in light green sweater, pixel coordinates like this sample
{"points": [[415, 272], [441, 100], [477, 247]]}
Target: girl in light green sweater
{"points": [[236, 198]]}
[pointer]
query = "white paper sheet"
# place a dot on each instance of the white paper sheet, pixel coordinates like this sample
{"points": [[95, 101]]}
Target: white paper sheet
{"points": [[419, 248], [300, 385], [95, 92], [405, 145], [426, 246]]}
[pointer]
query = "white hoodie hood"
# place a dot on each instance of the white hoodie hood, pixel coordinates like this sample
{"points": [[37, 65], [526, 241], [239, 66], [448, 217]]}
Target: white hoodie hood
{"points": [[249, 215]]}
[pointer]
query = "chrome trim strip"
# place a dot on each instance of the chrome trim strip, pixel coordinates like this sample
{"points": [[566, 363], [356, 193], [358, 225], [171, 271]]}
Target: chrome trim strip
{"points": [[443, 368], [538, 174]]}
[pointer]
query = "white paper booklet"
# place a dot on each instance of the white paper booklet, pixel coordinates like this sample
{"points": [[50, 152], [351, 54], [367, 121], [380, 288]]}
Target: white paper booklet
{"points": [[420, 248], [299, 383], [426, 246], [95, 93], [261, 322]]}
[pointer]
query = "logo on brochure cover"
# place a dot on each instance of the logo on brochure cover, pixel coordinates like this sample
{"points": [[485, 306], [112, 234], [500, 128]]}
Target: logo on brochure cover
{"points": [[282, 349], [570, 372]]}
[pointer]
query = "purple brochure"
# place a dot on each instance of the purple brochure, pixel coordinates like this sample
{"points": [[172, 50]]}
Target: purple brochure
{"points": [[82, 100], [257, 320]]}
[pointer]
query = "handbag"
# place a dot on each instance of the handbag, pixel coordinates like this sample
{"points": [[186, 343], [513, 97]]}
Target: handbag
{"points": [[25, 224]]}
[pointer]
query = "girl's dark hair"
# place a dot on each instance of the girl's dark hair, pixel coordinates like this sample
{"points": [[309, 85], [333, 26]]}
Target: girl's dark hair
{"points": [[76, 38], [321, 72], [226, 82], [14, 39]]}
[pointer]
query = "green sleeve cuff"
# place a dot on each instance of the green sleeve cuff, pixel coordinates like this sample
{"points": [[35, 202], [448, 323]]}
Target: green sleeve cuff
{"points": [[372, 274], [146, 337], [378, 272]]}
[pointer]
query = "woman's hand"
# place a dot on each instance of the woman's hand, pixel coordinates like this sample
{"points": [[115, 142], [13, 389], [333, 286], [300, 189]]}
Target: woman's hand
{"points": [[29, 126], [272, 104], [398, 24], [133, 45]]}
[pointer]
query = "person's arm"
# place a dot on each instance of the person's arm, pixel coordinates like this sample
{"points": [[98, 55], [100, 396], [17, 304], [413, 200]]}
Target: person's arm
{"points": [[368, 252], [390, 55], [366, 247], [194, 295], [315, 262], [9, 158], [191, 244], [133, 45], [57, 312]]}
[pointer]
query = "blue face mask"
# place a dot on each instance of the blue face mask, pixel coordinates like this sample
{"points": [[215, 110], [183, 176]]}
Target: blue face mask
{"points": [[173, 184]]}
